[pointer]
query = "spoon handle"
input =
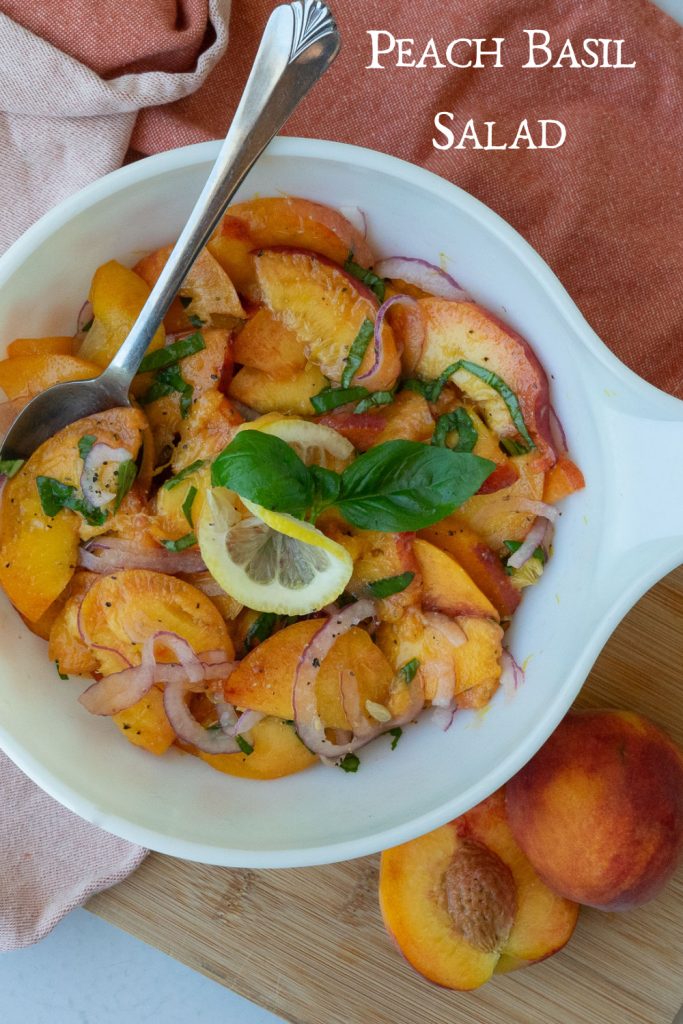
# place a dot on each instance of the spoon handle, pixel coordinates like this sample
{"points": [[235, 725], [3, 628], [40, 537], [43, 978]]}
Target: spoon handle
{"points": [[299, 43]]}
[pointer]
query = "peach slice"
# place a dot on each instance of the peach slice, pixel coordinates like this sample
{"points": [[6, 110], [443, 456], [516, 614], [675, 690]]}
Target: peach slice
{"points": [[264, 679], [66, 647], [38, 553], [562, 480], [232, 246], [209, 426], [326, 308], [207, 291], [264, 393], [54, 346], [477, 662], [29, 375], [146, 724], [446, 587], [599, 810], [407, 417], [463, 330], [277, 752], [503, 515], [123, 610], [266, 344], [462, 902], [117, 295]]}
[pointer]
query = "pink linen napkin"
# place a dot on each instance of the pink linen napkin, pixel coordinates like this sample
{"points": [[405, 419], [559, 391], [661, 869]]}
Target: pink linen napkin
{"points": [[62, 125]]}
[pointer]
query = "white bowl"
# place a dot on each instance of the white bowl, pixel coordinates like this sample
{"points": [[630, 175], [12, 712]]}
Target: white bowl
{"points": [[613, 540]]}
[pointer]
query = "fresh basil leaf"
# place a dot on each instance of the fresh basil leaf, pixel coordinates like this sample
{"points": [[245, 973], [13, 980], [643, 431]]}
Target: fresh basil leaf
{"points": [[404, 485], [512, 447], [375, 283], [244, 745], [125, 476], [187, 541], [183, 475], [196, 321], [349, 763], [458, 420], [326, 486], [86, 445], [10, 467], [377, 398], [391, 584], [162, 357], [261, 628], [408, 671], [185, 300], [357, 351], [55, 495], [167, 381], [188, 503], [262, 468], [396, 733], [59, 671], [331, 398]]}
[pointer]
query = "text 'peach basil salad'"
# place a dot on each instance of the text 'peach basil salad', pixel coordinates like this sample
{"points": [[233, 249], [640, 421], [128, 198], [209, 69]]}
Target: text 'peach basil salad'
{"points": [[316, 518]]}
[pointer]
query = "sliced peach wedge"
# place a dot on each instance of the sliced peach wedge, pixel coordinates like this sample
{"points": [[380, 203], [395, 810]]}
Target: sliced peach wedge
{"points": [[327, 309], [456, 331], [446, 586], [463, 902]]}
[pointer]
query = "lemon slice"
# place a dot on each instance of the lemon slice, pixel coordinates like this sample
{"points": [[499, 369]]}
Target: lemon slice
{"points": [[270, 561], [315, 444]]}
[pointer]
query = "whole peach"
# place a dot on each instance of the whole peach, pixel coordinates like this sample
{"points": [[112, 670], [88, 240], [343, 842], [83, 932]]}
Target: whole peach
{"points": [[599, 810]]}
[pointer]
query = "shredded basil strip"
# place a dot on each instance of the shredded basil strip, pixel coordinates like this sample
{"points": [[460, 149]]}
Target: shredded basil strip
{"points": [[86, 327], [375, 283], [512, 447], [396, 733], [86, 445], [374, 400], [10, 467], [55, 495], [349, 763], [162, 357], [458, 420], [125, 476], [59, 671], [408, 671], [357, 351], [260, 629], [433, 388], [167, 381], [188, 503], [331, 398], [391, 584], [183, 474], [244, 745], [181, 543]]}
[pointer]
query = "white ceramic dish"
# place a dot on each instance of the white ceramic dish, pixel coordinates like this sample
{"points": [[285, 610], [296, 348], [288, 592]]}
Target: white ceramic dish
{"points": [[613, 541]]}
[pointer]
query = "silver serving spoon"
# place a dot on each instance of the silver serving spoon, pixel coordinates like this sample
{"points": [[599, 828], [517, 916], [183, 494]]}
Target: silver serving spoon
{"points": [[299, 43]]}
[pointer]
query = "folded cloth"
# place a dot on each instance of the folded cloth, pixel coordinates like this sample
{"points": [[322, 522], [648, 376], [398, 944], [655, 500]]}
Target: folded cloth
{"points": [[604, 210], [65, 119]]}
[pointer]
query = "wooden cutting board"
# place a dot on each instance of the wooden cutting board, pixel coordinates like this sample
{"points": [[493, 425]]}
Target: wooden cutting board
{"points": [[309, 944]]}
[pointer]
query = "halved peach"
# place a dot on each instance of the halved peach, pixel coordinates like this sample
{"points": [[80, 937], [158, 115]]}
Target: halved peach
{"points": [[124, 609], [463, 902], [264, 679], [52, 346], [207, 291], [145, 724], [29, 375], [38, 553], [264, 393], [563, 479], [463, 330], [503, 515], [446, 587], [478, 561], [266, 344], [326, 308], [117, 295], [277, 752]]}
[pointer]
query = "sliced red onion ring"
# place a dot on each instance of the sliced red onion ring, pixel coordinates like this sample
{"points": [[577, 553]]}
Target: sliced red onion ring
{"points": [[367, 378], [559, 438], [246, 721], [443, 717], [356, 217], [539, 508], [512, 675], [188, 729], [533, 539], [121, 553], [445, 685], [424, 275], [100, 455], [445, 625], [85, 315], [307, 720]]}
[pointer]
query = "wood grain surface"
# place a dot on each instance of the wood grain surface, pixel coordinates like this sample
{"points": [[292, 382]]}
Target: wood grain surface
{"points": [[309, 944]]}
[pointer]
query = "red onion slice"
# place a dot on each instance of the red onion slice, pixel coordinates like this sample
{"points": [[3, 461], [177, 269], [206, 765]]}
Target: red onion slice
{"points": [[445, 683], [188, 729], [539, 508], [533, 539], [121, 553], [559, 438], [85, 315], [426, 276], [100, 455], [448, 628], [443, 717], [246, 721], [512, 675], [360, 726], [356, 217], [367, 378]]}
